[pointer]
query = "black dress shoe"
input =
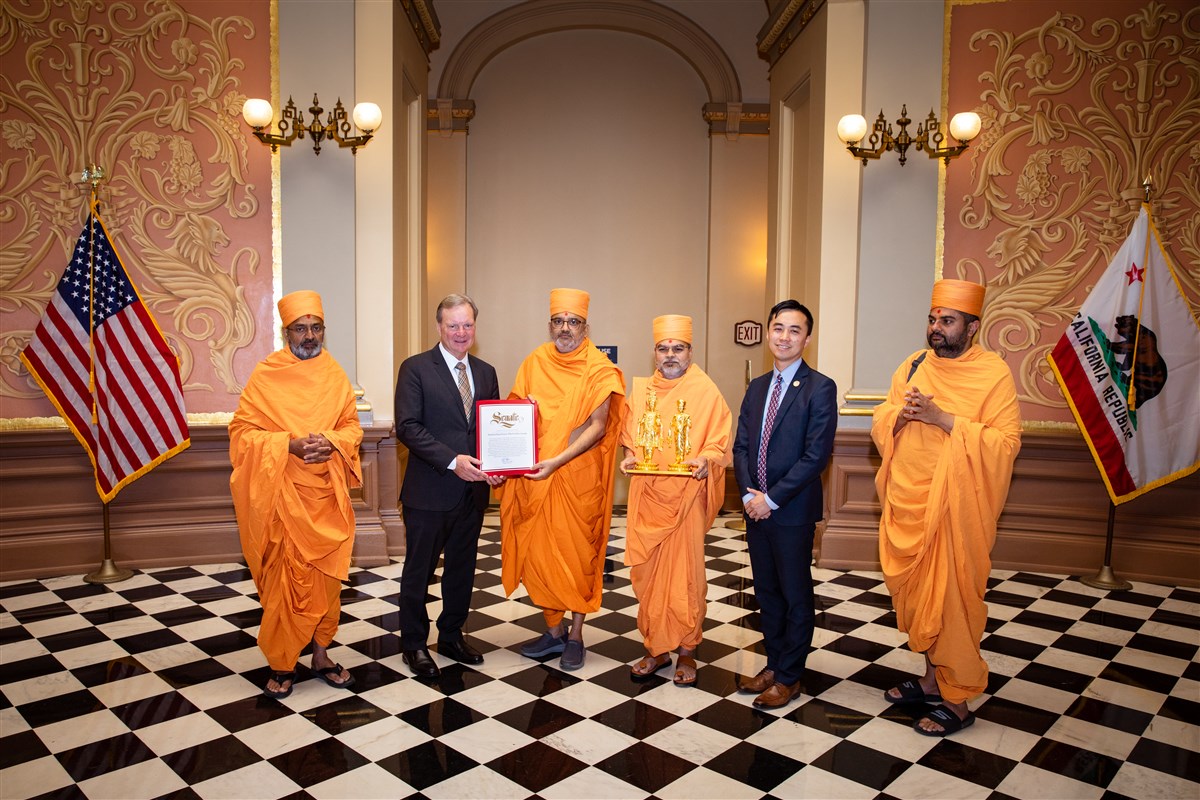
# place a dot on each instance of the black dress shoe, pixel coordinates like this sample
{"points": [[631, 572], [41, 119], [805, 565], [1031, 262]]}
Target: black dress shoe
{"points": [[460, 651], [421, 663]]}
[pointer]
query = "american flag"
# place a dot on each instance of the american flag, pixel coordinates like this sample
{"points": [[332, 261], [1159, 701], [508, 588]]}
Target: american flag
{"points": [[115, 381]]}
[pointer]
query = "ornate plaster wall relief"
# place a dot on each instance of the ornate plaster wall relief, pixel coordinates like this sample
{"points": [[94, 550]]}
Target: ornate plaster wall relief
{"points": [[153, 93], [1080, 103]]}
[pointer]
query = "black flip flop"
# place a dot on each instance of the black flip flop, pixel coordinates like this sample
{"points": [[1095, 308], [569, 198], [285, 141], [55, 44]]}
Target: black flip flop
{"points": [[281, 678], [911, 692], [336, 669], [947, 719]]}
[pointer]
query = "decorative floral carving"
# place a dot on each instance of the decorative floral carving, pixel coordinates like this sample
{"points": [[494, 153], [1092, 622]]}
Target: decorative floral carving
{"points": [[1078, 107], [152, 92]]}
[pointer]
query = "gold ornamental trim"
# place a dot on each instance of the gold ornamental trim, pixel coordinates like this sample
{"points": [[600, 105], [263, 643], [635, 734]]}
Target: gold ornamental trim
{"points": [[772, 35], [57, 423]]}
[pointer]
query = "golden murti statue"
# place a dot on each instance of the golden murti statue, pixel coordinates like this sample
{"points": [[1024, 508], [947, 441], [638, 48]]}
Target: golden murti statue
{"points": [[681, 432], [649, 432]]}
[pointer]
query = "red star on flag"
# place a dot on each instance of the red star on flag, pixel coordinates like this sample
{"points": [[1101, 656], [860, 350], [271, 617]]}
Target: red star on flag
{"points": [[1134, 274]]}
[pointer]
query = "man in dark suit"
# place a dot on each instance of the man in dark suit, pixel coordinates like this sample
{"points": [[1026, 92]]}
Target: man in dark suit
{"points": [[444, 492], [784, 440]]}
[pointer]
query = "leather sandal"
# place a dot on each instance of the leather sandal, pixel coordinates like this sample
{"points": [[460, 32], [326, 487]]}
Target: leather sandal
{"points": [[648, 666], [685, 671]]}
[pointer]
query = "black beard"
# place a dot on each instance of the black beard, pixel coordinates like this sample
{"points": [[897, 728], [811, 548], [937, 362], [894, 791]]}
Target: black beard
{"points": [[948, 348]]}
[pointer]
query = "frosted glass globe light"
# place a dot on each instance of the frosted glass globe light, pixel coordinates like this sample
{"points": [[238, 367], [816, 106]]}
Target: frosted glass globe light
{"points": [[852, 128], [965, 126], [257, 113], [367, 117]]}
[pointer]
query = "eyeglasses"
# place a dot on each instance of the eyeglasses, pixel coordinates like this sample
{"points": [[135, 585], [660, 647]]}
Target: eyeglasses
{"points": [[574, 323], [302, 330], [674, 350]]}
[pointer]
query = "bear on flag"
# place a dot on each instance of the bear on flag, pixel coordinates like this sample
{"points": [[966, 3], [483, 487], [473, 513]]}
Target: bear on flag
{"points": [[1129, 367]]}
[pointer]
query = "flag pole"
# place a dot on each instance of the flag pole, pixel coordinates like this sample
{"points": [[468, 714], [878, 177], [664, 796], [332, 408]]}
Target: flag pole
{"points": [[1105, 578], [109, 572]]}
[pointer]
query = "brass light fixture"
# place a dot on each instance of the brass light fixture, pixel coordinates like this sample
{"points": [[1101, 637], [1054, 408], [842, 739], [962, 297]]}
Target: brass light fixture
{"points": [[259, 113], [853, 127]]}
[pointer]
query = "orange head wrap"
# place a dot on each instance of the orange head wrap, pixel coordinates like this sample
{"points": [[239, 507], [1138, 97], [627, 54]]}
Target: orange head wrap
{"points": [[673, 326], [569, 301], [294, 305], [963, 296]]}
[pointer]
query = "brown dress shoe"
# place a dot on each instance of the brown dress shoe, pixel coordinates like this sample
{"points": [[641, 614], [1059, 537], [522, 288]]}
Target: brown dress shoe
{"points": [[778, 695], [759, 683]]}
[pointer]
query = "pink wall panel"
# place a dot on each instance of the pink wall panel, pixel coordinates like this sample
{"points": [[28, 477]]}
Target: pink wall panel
{"points": [[152, 92], [1080, 101]]}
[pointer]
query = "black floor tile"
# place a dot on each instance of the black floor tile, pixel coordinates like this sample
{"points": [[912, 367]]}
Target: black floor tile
{"points": [[1073, 762], [20, 747], [645, 766], [828, 717], [60, 708], [1167, 758], [441, 717], [536, 766], [1016, 715], [423, 765], [153, 710], [755, 766], [539, 719], [968, 763], [106, 755], [210, 759], [861, 764], [318, 762], [639, 720]]}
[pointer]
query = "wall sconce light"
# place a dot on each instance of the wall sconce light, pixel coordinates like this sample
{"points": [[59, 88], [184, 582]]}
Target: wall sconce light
{"points": [[259, 113], [853, 127]]}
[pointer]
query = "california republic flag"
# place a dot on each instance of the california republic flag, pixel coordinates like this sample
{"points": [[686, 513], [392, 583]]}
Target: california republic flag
{"points": [[1129, 366]]}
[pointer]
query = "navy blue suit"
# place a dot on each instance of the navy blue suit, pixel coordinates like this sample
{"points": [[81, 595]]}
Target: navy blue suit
{"points": [[442, 512], [798, 450]]}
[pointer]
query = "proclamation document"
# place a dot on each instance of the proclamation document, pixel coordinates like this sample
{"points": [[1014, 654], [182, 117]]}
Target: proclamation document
{"points": [[507, 431]]}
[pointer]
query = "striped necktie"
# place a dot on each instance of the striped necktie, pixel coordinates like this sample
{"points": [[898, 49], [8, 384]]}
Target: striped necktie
{"points": [[768, 423], [464, 389]]}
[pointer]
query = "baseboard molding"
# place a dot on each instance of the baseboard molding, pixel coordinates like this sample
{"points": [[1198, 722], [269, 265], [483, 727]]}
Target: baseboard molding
{"points": [[51, 520], [1054, 521]]}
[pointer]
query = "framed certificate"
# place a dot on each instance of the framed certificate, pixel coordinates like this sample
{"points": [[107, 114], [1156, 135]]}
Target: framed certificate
{"points": [[507, 431]]}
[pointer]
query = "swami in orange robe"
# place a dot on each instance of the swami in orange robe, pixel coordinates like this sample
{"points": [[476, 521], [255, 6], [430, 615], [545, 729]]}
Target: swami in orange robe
{"points": [[669, 516], [942, 493], [554, 529], [294, 513]]}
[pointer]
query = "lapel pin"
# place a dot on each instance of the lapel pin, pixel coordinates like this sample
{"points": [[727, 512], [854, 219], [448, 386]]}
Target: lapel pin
{"points": [[795, 383]]}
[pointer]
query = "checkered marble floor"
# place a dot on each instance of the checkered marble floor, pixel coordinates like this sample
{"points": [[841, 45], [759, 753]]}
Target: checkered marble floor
{"points": [[151, 688]]}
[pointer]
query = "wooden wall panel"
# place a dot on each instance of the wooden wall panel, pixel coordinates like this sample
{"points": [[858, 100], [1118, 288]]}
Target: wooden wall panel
{"points": [[1054, 521], [181, 513]]}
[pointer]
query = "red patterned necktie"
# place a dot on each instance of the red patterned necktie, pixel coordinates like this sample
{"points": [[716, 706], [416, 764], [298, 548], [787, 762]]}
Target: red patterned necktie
{"points": [[464, 389], [768, 423]]}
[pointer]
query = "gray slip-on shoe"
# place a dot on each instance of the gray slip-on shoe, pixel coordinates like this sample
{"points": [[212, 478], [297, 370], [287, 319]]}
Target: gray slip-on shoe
{"points": [[574, 654], [545, 645]]}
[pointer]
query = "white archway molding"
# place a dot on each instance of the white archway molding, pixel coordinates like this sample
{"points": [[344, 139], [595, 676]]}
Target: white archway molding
{"points": [[537, 17]]}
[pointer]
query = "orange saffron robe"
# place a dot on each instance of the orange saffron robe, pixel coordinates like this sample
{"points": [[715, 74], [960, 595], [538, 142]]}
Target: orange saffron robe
{"points": [[669, 516], [941, 495], [554, 532], [295, 519]]}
